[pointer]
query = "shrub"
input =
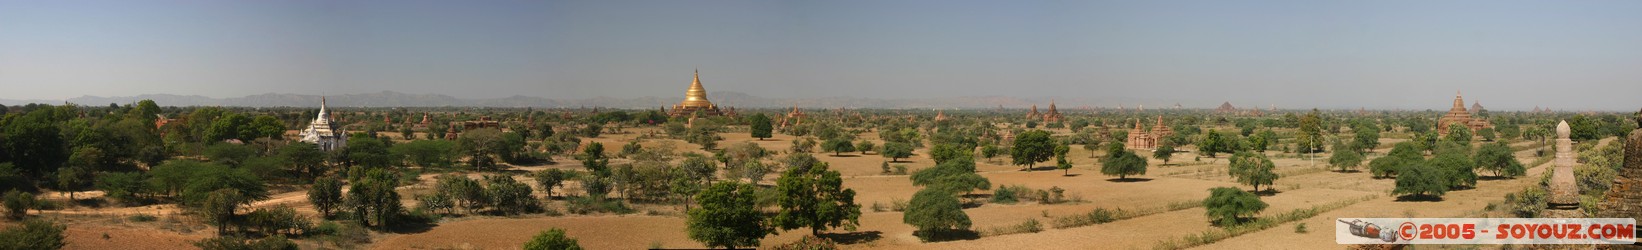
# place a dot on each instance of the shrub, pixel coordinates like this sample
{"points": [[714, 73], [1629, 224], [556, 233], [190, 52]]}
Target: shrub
{"points": [[1226, 206], [809, 242], [552, 239], [18, 204], [237, 243], [142, 218], [1527, 203], [33, 234], [1300, 228], [1097, 216], [279, 220], [596, 204], [1008, 194], [509, 196]]}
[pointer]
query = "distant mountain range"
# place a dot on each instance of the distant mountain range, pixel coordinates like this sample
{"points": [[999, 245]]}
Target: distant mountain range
{"points": [[723, 99]]}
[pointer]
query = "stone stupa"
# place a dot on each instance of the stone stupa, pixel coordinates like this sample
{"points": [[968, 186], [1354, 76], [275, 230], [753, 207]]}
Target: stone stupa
{"points": [[1564, 190]]}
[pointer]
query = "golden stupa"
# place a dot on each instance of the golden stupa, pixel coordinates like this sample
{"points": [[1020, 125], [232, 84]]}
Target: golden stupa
{"points": [[695, 99]]}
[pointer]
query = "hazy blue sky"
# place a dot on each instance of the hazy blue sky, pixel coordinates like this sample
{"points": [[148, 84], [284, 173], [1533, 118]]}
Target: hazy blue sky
{"points": [[1376, 54]]}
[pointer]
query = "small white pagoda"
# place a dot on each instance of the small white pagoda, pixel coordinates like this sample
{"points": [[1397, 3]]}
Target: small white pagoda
{"points": [[329, 136]]}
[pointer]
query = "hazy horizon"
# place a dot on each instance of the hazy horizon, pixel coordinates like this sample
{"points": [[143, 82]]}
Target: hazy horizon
{"points": [[1509, 55]]}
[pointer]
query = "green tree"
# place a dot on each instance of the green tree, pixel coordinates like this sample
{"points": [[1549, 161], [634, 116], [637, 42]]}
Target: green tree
{"points": [[1583, 128], [33, 143], [1310, 138], [466, 192], [1253, 169], [427, 153], [760, 126], [373, 199], [1164, 152], [304, 158], [552, 239], [219, 206], [1401, 155], [550, 178], [864, 146], [1262, 140], [1345, 160], [18, 204], [935, 212], [1122, 163], [1227, 206], [1032, 147], [838, 145], [704, 134], [1497, 157], [480, 146], [228, 127], [1213, 142], [727, 216], [74, 179], [326, 196], [1487, 134], [264, 126], [1367, 138], [124, 186], [1420, 181], [896, 150], [1456, 167], [509, 196], [593, 159], [815, 198], [953, 176], [233, 155], [1459, 134]]}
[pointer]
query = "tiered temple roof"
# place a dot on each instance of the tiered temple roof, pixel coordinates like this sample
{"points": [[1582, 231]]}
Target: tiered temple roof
{"points": [[1457, 115], [1141, 139], [695, 99], [328, 135], [1053, 115]]}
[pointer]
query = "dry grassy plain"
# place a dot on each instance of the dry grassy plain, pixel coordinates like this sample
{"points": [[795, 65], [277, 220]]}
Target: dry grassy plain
{"points": [[1184, 180]]}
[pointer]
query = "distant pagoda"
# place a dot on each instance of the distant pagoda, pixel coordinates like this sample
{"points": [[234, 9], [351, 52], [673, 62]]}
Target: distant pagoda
{"points": [[1458, 116], [329, 136], [1226, 107], [695, 99]]}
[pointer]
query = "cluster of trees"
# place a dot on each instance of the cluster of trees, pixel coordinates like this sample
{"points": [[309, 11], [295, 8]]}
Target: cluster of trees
{"points": [[1453, 166], [809, 195]]}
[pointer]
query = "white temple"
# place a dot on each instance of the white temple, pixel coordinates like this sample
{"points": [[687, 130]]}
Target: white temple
{"points": [[329, 136]]}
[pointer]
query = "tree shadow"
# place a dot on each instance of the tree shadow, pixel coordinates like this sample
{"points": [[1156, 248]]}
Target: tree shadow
{"points": [[90, 202], [844, 155], [1042, 168], [1353, 171], [1071, 175], [1240, 221], [1129, 179], [949, 235], [1419, 198], [1493, 178], [1383, 177], [853, 237], [1268, 192]]}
